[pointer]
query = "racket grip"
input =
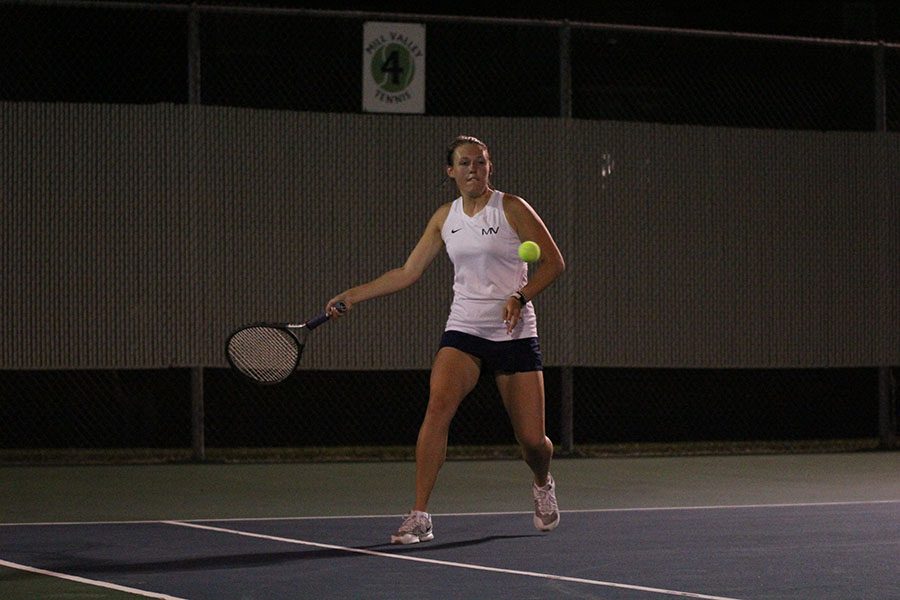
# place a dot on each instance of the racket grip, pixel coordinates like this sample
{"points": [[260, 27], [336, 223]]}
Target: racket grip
{"points": [[318, 320]]}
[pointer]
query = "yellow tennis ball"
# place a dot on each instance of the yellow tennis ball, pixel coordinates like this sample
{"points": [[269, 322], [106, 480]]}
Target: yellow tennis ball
{"points": [[529, 251]]}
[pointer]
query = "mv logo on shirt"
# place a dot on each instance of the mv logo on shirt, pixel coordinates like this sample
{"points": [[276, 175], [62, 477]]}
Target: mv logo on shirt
{"points": [[490, 231]]}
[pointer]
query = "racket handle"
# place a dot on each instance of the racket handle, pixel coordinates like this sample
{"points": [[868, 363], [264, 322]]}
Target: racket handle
{"points": [[318, 320]]}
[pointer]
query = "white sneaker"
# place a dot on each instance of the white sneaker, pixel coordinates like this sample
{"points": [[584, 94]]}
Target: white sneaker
{"points": [[546, 509], [415, 528]]}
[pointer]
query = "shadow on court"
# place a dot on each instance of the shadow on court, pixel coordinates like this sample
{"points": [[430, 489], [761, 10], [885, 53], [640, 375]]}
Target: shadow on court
{"points": [[250, 560]]}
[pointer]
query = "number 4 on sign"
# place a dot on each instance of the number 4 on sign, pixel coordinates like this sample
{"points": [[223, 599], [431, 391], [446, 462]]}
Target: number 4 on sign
{"points": [[394, 67]]}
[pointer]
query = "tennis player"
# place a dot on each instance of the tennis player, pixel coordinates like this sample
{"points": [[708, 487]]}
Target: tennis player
{"points": [[492, 324]]}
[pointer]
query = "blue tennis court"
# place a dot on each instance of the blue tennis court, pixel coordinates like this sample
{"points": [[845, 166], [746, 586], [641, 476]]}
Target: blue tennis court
{"points": [[815, 526]]}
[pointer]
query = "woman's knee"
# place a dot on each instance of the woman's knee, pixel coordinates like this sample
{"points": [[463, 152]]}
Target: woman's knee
{"points": [[442, 407], [535, 443]]}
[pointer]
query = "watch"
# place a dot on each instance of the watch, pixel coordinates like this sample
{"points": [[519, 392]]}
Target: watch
{"points": [[521, 298]]}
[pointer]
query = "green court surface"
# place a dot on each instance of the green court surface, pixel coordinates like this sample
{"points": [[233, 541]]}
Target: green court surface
{"points": [[213, 491]]}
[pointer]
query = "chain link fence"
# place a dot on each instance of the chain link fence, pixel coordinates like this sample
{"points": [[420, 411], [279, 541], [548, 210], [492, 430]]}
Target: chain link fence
{"points": [[300, 60], [310, 61], [141, 413]]}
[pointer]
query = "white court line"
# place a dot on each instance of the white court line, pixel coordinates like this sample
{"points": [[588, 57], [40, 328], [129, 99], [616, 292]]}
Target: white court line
{"points": [[94, 582], [700, 507], [192, 523], [445, 563], [462, 514]]}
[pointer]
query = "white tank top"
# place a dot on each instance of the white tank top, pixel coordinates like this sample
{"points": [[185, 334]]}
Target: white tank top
{"points": [[487, 270]]}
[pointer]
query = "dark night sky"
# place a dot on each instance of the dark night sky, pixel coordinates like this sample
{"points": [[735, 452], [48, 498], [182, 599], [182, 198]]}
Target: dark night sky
{"points": [[859, 20]]}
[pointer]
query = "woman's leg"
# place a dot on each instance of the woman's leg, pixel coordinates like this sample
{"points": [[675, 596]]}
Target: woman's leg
{"points": [[523, 397], [453, 375]]}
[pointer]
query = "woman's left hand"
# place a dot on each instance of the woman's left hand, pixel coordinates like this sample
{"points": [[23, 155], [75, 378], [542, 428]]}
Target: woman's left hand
{"points": [[511, 313]]}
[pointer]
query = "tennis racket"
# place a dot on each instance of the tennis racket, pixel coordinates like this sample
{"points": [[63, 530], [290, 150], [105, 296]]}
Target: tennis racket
{"points": [[268, 353]]}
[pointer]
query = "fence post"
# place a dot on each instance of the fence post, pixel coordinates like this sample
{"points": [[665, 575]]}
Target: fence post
{"points": [[887, 408], [567, 400], [566, 411], [194, 91], [887, 386], [198, 433], [880, 89], [565, 71]]}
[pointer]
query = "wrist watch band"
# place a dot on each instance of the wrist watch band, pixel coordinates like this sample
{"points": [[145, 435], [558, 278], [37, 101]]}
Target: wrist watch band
{"points": [[521, 298]]}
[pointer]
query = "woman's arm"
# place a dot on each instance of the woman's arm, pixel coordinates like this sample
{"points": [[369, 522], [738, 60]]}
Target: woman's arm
{"points": [[419, 259], [529, 226]]}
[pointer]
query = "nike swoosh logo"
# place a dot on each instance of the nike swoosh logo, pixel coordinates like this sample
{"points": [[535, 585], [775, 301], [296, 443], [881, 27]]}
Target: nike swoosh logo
{"points": [[455, 230]]}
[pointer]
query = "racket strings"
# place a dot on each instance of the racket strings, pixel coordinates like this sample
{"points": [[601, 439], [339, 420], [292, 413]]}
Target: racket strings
{"points": [[266, 354]]}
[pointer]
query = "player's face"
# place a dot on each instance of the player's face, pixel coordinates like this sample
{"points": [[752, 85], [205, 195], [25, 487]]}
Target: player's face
{"points": [[471, 169]]}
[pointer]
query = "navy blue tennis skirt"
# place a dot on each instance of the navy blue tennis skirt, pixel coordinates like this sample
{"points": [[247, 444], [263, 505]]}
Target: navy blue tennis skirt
{"points": [[511, 356]]}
